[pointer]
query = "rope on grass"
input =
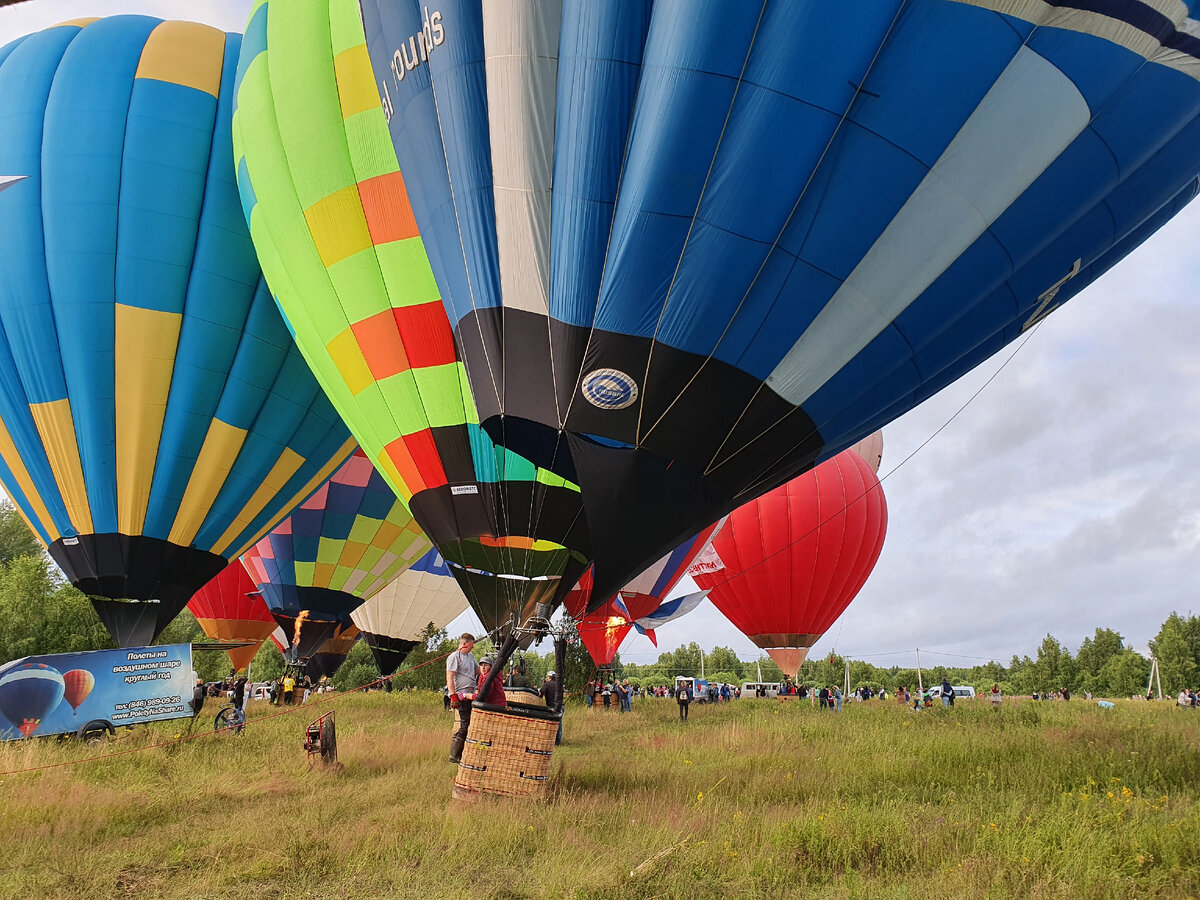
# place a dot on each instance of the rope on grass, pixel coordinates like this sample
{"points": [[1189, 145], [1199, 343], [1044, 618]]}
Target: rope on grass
{"points": [[320, 699]]}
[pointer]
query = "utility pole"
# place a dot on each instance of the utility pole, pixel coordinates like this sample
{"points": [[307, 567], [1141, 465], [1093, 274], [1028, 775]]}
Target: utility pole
{"points": [[920, 686], [1154, 677], [846, 688]]}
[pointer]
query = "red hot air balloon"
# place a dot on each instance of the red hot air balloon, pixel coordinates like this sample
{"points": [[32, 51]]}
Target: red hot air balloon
{"points": [[231, 608], [602, 630], [787, 564], [77, 684]]}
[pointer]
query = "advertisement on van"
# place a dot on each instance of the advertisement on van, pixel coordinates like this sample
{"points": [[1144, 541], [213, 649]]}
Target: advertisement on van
{"points": [[56, 694]]}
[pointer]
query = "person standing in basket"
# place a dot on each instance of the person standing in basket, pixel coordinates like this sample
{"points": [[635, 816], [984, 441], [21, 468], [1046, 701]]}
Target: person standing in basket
{"points": [[684, 697], [462, 676], [495, 695]]}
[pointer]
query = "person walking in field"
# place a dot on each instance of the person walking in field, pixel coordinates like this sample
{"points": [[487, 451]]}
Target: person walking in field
{"points": [[947, 692], [289, 688], [684, 697], [995, 695]]}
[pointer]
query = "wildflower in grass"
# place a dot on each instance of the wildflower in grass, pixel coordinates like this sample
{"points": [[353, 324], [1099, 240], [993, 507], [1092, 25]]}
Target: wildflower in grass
{"points": [[700, 796], [737, 816], [1110, 795], [1126, 792]]}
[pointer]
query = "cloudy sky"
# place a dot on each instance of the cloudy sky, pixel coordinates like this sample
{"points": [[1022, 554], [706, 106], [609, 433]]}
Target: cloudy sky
{"points": [[1062, 498]]}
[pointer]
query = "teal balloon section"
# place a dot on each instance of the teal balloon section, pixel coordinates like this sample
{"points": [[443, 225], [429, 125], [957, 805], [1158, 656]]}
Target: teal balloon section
{"points": [[156, 417]]}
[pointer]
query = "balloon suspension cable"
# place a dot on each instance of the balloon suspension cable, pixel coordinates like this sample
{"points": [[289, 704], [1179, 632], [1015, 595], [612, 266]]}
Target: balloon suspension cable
{"points": [[882, 478]]}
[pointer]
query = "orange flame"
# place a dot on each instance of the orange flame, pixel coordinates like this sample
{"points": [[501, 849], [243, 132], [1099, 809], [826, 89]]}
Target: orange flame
{"points": [[300, 620]]}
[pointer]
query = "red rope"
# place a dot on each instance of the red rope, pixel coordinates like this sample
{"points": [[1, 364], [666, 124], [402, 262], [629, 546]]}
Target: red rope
{"points": [[321, 698]]}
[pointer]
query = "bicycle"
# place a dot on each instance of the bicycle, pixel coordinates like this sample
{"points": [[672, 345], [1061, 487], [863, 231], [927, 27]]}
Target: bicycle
{"points": [[230, 718]]}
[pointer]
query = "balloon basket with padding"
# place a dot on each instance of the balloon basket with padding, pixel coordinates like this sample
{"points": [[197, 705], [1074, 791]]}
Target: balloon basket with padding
{"points": [[320, 740], [522, 695], [508, 751]]}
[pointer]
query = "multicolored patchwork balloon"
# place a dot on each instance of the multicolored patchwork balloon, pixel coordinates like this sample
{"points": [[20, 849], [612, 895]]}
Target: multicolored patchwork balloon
{"points": [[340, 547]]}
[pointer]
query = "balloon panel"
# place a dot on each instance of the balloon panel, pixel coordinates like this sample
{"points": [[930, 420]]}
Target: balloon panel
{"points": [[155, 415], [230, 608], [763, 241]]}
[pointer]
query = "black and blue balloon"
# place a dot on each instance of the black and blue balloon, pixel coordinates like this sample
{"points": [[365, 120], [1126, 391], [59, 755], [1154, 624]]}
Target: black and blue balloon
{"points": [[690, 249]]}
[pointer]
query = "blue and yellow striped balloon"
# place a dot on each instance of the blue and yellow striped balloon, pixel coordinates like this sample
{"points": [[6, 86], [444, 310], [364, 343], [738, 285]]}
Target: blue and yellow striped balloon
{"points": [[156, 417]]}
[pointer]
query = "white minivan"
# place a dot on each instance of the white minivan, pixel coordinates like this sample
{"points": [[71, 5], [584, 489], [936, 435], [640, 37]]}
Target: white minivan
{"points": [[750, 689]]}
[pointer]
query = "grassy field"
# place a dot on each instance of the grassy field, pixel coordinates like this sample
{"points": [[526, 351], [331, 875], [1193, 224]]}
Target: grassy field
{"points": [[749, 799]]}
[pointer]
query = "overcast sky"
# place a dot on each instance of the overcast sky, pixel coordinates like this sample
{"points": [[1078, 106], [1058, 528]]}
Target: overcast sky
{"points": [[1062, 499]]}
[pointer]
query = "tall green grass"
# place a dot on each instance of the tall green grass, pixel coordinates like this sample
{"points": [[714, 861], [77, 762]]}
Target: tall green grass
{"points": [[749, 799]]}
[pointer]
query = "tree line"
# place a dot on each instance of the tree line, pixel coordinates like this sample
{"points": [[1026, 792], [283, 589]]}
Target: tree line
{"points": [[40, 613]]}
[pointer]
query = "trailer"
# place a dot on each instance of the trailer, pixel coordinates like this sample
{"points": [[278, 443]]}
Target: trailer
{"points": [[90, 694]]}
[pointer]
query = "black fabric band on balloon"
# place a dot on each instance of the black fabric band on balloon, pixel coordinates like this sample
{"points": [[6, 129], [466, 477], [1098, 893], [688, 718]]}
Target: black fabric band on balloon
{"points": [[389, 652], [111, 568], [726, 431]]}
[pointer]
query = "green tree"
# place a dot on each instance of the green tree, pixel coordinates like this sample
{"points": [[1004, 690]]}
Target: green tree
{"points": [[359, 669], [725, 661], [1176, 663], [422, 668], [15, 537], [40, 614], [1053, 668], [1124, 675], [1095, 651], [268, 663], [681, 661]]}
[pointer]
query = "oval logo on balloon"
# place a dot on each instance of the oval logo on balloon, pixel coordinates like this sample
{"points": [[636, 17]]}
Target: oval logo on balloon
{"points": [[609, 389]]}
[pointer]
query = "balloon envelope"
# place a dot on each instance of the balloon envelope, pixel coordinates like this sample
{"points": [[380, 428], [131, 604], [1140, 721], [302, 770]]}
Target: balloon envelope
{"points": [[788, 563], [603, 629], [77, 685], [231, 608], [156, 417], [340, 547], [28, 693], [690, 250], [330, 216]]}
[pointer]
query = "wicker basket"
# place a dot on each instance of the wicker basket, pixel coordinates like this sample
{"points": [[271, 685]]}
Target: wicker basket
{"points": [[522, 695], [508, 751]]}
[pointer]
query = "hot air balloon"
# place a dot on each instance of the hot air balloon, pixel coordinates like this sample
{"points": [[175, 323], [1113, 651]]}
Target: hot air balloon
{"points": [[788, 563], [28, 693], [603, 629], [331, 654], [338, 548], [231, 608], [330, 216], [689, 250], [77, 685], [156, 418], [393, 621]]}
